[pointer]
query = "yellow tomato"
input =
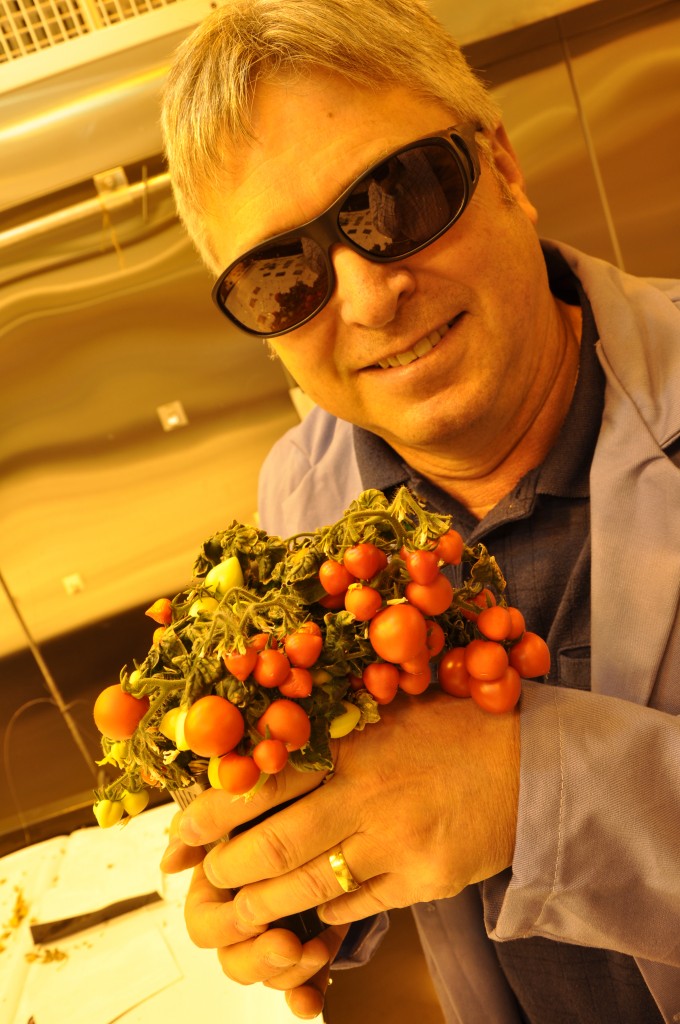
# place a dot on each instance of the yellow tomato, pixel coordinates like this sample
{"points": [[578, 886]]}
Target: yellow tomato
{"points": [[343, 724], [223, 576]]}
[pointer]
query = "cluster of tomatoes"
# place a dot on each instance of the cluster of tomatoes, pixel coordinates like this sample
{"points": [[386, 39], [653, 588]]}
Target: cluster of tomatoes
{"points": [[352, 624], [408, 641]]}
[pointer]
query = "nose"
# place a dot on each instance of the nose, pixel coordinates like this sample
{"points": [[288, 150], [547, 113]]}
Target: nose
{"points": [[369, 294]]}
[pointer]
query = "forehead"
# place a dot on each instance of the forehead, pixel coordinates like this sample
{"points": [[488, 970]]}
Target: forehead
{"points": [[313, 137]]}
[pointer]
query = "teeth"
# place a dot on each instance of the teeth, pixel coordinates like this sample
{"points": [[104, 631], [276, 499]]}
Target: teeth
{"points": [[419, 349]]}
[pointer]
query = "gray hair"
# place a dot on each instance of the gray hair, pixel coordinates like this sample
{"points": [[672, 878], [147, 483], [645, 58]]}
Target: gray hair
{"points": [[208, 98]]}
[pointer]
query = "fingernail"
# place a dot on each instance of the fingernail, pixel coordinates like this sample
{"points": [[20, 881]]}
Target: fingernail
{"points": [[173, 846], [326, 914], [278, 960], [243, 908], [187, 832], [212, 875]]}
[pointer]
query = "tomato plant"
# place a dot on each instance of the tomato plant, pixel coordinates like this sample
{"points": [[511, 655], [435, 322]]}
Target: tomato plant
{"points": [[117, 713], [422, 566], [484, 599], [223, 576], [497, 695], [485, 659], [363, 602], [495, 623], [530, 656], [334, 577], [343, 724], [435, 638], [271, 668], [517, 624], [450, 547], [398, 632], [364, 560], [381, 679], [270, 756], [213, 726], [241, 665], [108, 812], [415, 682], [160, 611], [431, 598], [303, 647], [452, 674], [237, 773], [286, 721], [134, 803], [298, 683]]}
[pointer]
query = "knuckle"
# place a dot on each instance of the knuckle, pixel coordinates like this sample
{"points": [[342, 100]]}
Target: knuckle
{"points": [[315, 882], [273, 850]]}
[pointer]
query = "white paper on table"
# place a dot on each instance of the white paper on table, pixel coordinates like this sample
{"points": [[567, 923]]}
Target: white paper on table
{"points": [[100, 867], [107, 971], [24, 875]]}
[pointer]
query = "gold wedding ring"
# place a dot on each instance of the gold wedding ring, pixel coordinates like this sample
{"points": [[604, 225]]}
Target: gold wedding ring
{"points": [[346, 879]]}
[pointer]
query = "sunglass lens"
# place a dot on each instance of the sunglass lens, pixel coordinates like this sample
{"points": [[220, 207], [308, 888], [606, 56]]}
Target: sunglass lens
{"points": [[275, 288], [405, 201]]}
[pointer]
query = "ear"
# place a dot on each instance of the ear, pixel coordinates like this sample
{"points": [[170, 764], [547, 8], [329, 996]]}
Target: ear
{"points": [[505, 160]]}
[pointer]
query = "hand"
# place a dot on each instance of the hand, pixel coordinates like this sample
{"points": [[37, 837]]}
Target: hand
{"points": [[274, 957], [423, 803]]}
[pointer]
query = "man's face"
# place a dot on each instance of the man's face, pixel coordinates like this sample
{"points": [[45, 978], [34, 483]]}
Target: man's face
{"points": [[478, 294]]}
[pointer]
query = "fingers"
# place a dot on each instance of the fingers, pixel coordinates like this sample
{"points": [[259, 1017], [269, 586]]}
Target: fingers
{"points": [[280, 961], [209, 915], [215, 813], [310, 885]]}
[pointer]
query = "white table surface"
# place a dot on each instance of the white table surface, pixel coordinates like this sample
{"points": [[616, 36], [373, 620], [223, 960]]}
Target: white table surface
{"points": [[139, 968]]}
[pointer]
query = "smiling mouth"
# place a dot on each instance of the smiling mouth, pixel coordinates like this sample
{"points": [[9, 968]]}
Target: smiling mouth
{"points": [[420, 348]]}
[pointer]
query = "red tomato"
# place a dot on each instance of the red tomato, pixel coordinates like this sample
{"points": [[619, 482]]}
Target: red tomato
{"points": [[450, 548], [334, 602], [364, 560], [160, 611], [270, 756], [271, 668], [117, 713], [431, 598], [485, 659], [241, 665], [422, 566], [262, 640], [213, 726], [484, 599], [517, 623], [334, 577], [452, 674], [356, 682], [418, 663], [303, 648], [310, 627], [415, 682], [495, 623], [435, 638], [382, 681], [286, 721], [237, 773], [398, 632], [530, 656], [363, 602], [497, 695], [298, 683]]}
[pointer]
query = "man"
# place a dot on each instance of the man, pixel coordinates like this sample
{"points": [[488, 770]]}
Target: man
{"points": [[534, 394]]}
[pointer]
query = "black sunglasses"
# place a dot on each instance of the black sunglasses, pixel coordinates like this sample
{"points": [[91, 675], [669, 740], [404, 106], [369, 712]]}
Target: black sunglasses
{"points": [[395, 209]]}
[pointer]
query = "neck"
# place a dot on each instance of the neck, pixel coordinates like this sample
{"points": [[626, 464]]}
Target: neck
{"points": [[479, 469]]}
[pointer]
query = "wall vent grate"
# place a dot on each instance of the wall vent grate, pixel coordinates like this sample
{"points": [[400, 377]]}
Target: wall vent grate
{"points": [[28, 26]]}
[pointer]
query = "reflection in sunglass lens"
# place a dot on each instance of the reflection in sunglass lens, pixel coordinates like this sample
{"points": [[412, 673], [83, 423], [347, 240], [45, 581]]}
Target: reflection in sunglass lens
{"points": [[277, 286], [404, 202]]}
